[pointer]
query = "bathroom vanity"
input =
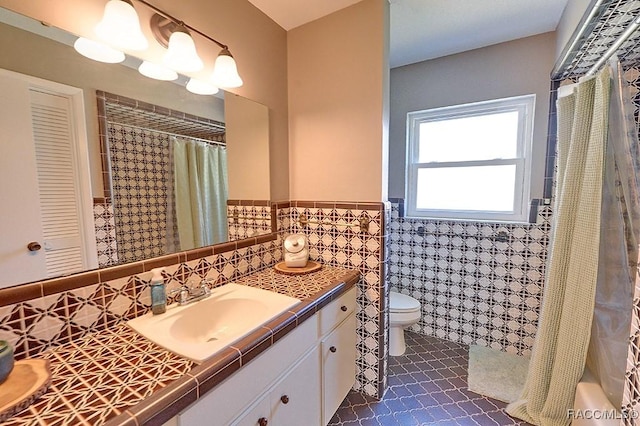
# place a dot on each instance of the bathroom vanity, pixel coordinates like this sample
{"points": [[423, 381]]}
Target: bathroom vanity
{"points": [[301, 380], [295, 369]]}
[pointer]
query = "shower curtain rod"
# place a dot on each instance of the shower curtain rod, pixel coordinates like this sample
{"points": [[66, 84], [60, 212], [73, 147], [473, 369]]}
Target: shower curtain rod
{"points": [[222, 144], [615, 46]]}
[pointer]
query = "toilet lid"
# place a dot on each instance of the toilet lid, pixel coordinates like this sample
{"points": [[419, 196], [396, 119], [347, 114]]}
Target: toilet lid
{"points": [[402, 303]]}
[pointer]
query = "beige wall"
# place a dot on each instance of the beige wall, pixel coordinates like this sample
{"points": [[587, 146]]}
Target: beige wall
{"points": [[257, 43], [509, 69], [247, 148], [337, 68]]}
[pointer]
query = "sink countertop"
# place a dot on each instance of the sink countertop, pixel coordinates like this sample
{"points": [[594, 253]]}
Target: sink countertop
{"points": [[118, 377]]}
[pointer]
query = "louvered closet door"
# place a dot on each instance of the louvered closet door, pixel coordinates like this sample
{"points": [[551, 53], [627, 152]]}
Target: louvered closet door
{"points": [[19, 204], [56, 165], [45, 195]]}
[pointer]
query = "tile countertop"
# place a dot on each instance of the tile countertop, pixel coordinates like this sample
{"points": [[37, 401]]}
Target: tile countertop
{"points": [[117, 377]]}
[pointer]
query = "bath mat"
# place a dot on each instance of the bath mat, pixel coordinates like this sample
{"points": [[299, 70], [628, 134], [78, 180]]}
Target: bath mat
{"points": [[496, 374]]}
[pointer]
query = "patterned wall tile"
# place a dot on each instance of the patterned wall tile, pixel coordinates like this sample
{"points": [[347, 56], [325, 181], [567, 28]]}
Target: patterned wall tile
{"points": [[248, 221], [141, 192], [36, 325], [336, 239], [478, 283], [105, 226]]}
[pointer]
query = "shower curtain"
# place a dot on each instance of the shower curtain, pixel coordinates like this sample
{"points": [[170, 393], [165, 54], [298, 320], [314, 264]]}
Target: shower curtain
{"points": [[560, 348], [607, 355], [200, 181]]}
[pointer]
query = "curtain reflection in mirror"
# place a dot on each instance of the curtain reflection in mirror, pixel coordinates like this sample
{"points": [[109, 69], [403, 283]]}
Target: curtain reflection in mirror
{"points": [[200, 191]]}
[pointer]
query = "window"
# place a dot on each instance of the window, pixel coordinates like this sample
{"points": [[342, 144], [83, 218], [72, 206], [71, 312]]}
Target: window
{"points": [[471, 161]]}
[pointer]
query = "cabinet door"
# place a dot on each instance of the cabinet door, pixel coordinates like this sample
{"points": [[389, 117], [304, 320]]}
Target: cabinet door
{"points": [[338, 366], [296, 399]]}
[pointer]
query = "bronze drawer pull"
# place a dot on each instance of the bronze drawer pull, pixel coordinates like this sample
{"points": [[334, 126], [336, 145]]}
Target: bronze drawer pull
{"points": [[333, 349], [262, 421], [284, 399], [343, 308]]}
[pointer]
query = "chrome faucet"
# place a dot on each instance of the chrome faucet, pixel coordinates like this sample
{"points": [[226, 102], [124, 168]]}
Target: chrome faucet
{"points": [[187, 294]]}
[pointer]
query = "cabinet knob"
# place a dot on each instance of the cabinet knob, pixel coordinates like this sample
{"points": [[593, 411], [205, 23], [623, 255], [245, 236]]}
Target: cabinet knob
{"points": [[333, 349], [343, 308], [284, 399], [34, 246], [262, 421]]}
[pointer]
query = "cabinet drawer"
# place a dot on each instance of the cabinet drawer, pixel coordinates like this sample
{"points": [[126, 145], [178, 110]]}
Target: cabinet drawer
{"points": [[335, 312]]}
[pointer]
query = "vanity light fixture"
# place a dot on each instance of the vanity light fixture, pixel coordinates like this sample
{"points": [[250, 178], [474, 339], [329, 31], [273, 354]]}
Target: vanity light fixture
{"points": [[181, 52], [157, 71], [225, 71], [200, 87], [164, 27], [120, 26], [98, 51]]}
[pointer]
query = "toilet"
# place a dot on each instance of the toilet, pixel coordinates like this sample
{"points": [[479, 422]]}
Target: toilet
{"points": [[404, 311]]}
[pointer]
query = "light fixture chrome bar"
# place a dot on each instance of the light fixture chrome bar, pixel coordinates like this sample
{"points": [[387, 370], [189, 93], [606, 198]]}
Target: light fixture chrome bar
{"points": [[615, 46], [182, 23]]}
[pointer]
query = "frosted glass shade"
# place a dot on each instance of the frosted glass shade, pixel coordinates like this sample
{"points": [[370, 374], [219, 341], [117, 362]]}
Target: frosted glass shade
{"points": [[157, 72], [181, 54], [98, 51], [201, 88], [225, 72], [120, 26]]}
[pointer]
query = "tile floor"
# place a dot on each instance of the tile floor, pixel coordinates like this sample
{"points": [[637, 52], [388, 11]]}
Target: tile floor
{"points": [[427, 386]]}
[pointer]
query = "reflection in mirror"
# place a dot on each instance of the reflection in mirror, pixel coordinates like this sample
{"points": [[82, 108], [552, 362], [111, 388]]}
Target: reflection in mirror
{"points": [[166, 173], [248, 210]]}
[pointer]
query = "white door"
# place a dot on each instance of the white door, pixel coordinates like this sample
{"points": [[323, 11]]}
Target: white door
{"points": [[45, 199]]}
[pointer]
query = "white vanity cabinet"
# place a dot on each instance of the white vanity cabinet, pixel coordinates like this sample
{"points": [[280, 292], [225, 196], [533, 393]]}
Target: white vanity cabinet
{"points": [[301, 380]]}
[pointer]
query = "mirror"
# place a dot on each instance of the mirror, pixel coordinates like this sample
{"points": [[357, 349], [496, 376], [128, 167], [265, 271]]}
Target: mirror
{"points": [[27, 51]]}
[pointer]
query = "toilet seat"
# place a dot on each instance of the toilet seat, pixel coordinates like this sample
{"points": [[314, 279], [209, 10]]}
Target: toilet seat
{"points": [[401, 303]]}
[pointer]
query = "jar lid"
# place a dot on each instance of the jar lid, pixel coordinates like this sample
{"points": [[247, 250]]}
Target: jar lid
{"points": [[294, 243]]}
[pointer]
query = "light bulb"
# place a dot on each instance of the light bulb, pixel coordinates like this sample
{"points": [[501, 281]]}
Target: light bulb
{"points": [[225, 72], [156, 71], [181, 54], [120, 26], [98, 51], [201, 88]]}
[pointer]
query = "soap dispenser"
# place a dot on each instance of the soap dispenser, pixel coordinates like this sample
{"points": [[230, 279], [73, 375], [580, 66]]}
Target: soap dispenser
{"points": [[158, 292]]}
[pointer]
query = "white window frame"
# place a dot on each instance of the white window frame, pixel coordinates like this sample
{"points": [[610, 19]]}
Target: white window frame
{"points": [[524, 105]]}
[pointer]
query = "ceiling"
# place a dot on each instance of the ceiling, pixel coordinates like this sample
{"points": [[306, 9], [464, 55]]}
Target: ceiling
{"points": [[427, 29]]}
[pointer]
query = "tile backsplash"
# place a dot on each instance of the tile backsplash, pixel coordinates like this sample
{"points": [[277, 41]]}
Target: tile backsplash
{"points": [[35, 317]]}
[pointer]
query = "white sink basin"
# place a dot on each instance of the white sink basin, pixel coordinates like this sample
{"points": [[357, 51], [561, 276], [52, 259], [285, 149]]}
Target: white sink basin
{"points": [[199, 330]]}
